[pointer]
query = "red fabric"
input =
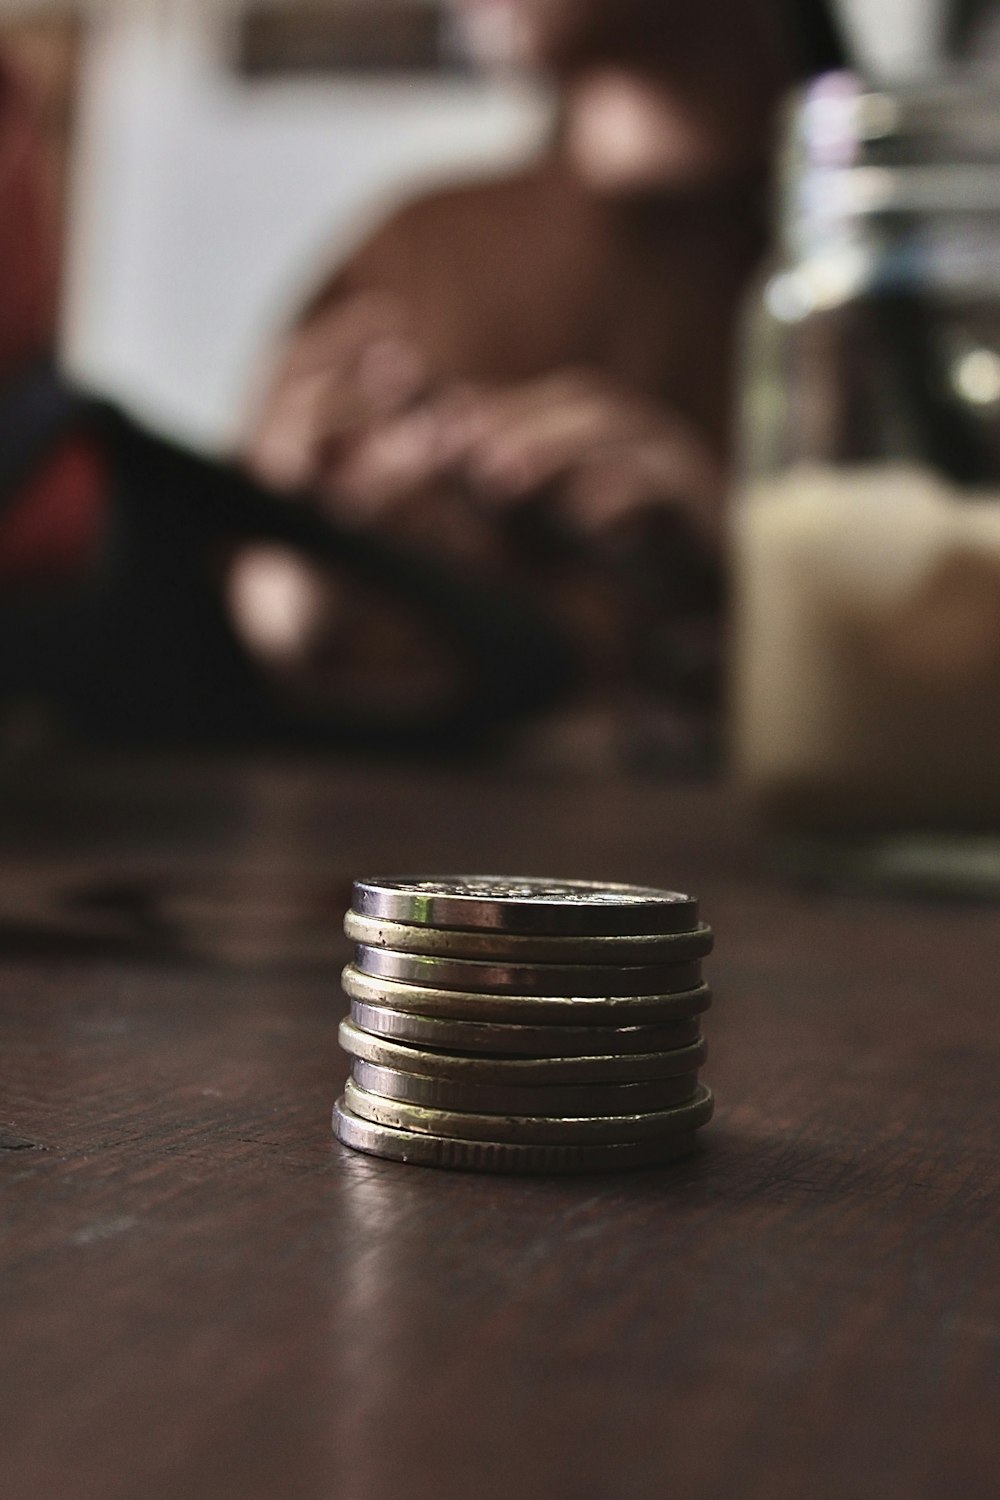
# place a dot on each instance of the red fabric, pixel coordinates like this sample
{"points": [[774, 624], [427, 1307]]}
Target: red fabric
{"points": [[57, 524], [54, 526]]}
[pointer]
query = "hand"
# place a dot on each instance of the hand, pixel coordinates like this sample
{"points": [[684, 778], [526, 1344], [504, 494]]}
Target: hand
{"points": [[351, 365], [349, 418], [614, 453]]}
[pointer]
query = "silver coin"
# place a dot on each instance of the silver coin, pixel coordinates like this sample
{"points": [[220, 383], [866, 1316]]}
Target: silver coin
{"points": [[527, 979], [526, 904], [532, 1041], [510, 948], [534, 1130], [558, 1010], [494, 1156], [571, 1101], [633, 1067]]}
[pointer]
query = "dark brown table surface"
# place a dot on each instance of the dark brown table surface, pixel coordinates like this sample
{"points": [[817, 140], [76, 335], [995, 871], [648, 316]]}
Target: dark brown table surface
{"points": [[202, 1295]]}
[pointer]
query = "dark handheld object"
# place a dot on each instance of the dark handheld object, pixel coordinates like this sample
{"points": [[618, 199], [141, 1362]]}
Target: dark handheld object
{"points": [[145, 649]]}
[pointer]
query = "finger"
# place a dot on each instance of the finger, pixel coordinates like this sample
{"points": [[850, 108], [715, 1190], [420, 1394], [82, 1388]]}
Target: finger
{"points": [[363, 344], [365, 371], [341, 329], [305, 417], [538, 444], [499, 409], [390, 373], [394, 459], [281, 450]]}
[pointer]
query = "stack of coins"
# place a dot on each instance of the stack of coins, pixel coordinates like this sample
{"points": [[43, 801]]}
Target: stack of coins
{"points": [[523, 1025]]}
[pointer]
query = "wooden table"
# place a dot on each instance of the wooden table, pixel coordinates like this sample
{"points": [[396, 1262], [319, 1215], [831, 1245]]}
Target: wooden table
{"points": [[203, 1296]]}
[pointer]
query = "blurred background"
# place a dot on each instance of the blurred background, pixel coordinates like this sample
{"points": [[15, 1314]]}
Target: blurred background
{"points": [[405, 376], [219, 157]]}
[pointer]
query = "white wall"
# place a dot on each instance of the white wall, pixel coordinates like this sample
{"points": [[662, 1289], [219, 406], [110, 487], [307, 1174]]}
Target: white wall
{"points": [[895, 37]]}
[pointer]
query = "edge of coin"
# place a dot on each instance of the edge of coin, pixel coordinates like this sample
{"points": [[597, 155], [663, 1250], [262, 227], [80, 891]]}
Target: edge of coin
{"points": [[611, 1068], [497, 978], [513, 948], [592, 1010], [572, 1100], [513, 1038], [494, 1156], [386, 897], [531, 1130]]}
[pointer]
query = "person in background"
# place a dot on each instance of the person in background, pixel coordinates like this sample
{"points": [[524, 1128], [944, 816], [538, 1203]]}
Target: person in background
{"points": [[113, 627], [535, 373], [529, 378]]}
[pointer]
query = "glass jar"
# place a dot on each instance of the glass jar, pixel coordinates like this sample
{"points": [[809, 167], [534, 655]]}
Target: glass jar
{"points": [[867, 528]]}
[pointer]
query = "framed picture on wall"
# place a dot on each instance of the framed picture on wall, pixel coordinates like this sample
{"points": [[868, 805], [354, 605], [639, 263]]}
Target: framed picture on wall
{"points": [[350, 36]]}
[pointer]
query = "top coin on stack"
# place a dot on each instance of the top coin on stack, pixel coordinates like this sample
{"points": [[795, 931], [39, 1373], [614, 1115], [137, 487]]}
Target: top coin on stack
{"points": [[550, 908], [456, 977]]}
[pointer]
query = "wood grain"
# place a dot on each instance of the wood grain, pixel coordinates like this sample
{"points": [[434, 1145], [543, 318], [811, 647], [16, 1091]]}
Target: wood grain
{"points": [[202, 1295]]}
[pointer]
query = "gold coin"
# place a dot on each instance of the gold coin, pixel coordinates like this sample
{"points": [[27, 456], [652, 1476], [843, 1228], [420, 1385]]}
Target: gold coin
{"points": [[586, 1010], [633, 1067], [532, 1041], [511, 948], [494, 1156], [567, 1100], [534, 1130]]}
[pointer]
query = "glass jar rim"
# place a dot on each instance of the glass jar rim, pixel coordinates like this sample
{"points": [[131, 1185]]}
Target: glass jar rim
{"points": [[841, 120], [859, 151]]}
